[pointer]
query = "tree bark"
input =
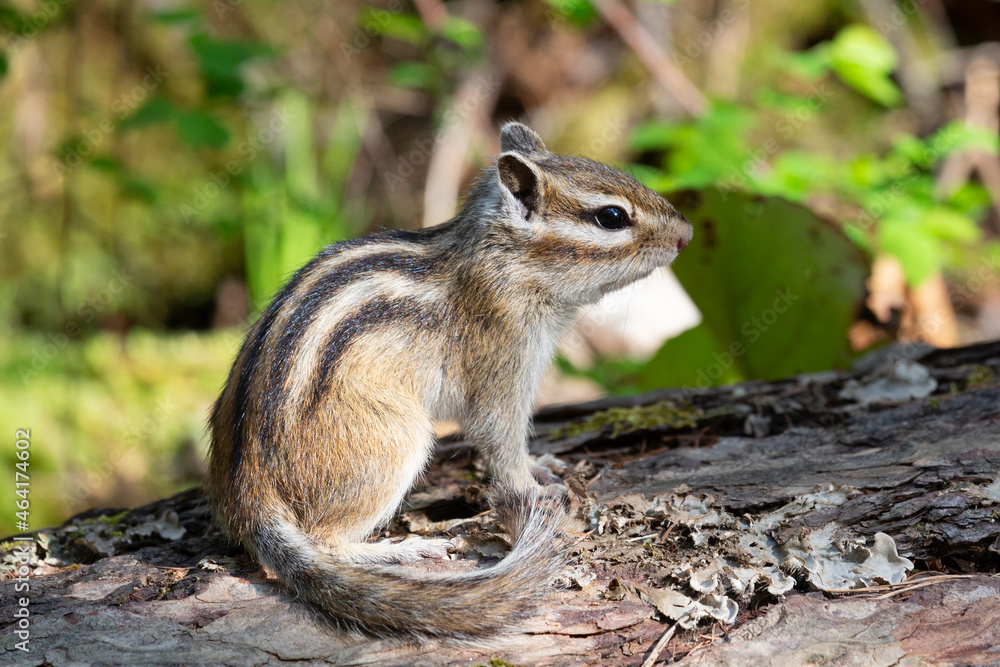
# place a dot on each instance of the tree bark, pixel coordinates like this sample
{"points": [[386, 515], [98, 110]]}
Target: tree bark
{"points": [[762, 520]]}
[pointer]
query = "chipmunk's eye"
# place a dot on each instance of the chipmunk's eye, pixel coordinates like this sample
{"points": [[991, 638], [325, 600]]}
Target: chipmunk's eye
{"points": [[612, 217]]}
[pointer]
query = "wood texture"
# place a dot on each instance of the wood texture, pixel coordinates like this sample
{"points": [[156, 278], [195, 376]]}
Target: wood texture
{"points": [[157, 585]]}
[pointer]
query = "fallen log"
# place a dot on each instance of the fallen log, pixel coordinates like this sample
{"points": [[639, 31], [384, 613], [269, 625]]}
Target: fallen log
{"points": [[841, 518]]}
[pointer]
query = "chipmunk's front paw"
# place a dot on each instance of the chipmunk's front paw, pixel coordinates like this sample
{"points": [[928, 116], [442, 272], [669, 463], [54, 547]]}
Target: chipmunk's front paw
{"points": [[413, 549], [546, 469]]}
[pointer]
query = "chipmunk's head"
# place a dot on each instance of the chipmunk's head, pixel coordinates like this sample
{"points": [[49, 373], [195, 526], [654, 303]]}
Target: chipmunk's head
{"points": [[587, 227]]}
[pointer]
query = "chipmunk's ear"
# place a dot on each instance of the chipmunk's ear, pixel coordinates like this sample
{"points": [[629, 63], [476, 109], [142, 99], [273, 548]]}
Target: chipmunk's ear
{"points": [[522, 179], [518, 138]]}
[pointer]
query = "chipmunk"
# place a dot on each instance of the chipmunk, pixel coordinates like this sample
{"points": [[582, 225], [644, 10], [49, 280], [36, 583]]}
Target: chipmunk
{"points": [[327, 415]]}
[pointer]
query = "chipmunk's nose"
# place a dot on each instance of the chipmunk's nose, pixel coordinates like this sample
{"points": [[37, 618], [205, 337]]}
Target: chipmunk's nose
{"points": [[687, 231]]}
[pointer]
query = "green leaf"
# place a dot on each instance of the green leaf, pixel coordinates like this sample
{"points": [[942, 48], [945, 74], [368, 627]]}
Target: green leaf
{"points": [[970, 199], [706, 151], [464, 33], [695, 358], [198, 130], [859, 236], [580, 12], [949, 225], [865, 171], [411, 74], [795, 175], [4, 64], [107, 164], [157, 109], [651, 177], [404, 27], [806, 65], [918, 251], [221, 61], [11, 21], [960, 136], [342, 147], [870, 84], [777, 287], [768, 98], [143, 190], [171, 16], [912, 149], [862, 45], [617, 376], [863, 59], [654, 135]]}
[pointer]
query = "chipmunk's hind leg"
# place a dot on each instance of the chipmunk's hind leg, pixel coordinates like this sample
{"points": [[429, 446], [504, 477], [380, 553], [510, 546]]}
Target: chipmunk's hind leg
{"points": [[398, 446], [408, 551]]}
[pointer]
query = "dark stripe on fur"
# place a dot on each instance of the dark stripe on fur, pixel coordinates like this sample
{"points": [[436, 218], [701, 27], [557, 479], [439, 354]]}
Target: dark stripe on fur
{"points": [[328, 286], [550, 247], [365, 319], [254, 346]]}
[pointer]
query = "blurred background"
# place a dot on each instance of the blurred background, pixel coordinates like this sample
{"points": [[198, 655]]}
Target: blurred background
{"points": [[166, 164]]}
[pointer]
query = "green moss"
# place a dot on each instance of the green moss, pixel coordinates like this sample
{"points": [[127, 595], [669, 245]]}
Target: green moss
{"points": [[627, 420], [980, 375], [497, 662], [112, 519]]}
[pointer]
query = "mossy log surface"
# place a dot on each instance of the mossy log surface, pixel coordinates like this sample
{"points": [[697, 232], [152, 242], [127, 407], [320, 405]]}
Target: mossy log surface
{"points": [[666, 486]]}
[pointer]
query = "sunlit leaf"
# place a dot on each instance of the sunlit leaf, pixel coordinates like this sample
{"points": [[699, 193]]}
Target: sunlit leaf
{"points": [[918, 252], [863, 59], [971, 199], [777, 287], [580, 12], [960, 136], [950, 225], [464, 33], [709, 150], [796, 174], [806, 65], [404, 27]]}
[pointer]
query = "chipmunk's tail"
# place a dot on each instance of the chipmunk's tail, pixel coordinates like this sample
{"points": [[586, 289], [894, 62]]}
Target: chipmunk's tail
{"points": [[392, 601]]}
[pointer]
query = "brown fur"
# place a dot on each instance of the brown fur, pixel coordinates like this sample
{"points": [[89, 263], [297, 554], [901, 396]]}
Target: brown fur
{"points": [[327, 415]]}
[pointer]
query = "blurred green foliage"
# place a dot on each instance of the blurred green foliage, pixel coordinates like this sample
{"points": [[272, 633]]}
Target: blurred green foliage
{"points": [[892, 199], [112, 417]]}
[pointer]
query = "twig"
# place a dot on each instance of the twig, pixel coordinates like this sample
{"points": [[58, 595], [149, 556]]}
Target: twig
{"points": [[432, 12], [469, 111], [641, 537], [982, 92], [663, 537], [661, 643], [902, 587], [660, 65]]}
